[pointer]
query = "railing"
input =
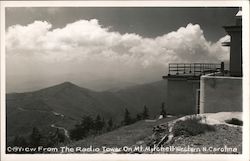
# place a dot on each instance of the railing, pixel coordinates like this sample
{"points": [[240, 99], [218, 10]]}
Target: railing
{"points": [[194, 69]]}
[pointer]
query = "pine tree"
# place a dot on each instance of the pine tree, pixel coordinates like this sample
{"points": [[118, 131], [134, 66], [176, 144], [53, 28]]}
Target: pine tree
{"points": [[98, 124], [77, 133], [103, 123], [35, 137], [57, 137], [84, 129], [145, 113], [127, 118], [138, 117], [163, 112], [110, 124], [87, 123], [19, 141]]}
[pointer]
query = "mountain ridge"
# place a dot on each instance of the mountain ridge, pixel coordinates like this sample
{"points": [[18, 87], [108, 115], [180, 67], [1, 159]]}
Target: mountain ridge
{"points": [[28, 109]]}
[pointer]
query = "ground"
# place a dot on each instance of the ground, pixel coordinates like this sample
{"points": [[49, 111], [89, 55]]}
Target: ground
{"points": [[226, 138], [124, 136], [231, 137]]}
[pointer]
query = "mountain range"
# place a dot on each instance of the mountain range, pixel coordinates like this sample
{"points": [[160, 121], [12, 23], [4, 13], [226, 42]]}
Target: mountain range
{"points": [[64, 104]]}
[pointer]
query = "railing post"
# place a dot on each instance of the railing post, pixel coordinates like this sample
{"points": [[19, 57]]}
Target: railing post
{"points": [[222, 67], [177, 70]]}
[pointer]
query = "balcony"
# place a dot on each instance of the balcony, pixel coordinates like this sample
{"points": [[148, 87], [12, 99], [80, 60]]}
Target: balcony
{"points": [[194, 69]]}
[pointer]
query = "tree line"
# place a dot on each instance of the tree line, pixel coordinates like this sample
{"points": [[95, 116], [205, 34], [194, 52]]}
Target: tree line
{"points": [[89, 126], [36, 139], [141, 116]]}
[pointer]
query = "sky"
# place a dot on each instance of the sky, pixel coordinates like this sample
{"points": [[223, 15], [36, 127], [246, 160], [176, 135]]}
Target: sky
{"points": [[103, 48]]}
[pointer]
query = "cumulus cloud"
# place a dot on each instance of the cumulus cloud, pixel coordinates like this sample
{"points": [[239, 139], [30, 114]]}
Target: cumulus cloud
{"points": [[84, 51]]}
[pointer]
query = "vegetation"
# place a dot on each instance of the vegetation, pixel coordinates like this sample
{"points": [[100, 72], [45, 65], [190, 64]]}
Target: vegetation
{"points": [[145, 114], [191, 127], [87, 127], [19, 141], [122, 136], [127, 118], [36, 138], [235, 121], [139, 116], [110, 125], [98, 124], [163, 112]]}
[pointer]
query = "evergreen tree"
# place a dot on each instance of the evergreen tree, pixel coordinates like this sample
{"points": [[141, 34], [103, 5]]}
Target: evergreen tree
{"points": [[61, 136], [163, 112], [47, 141], [127, 119], [145, 113], [57, 137], [87, 124], [103, 123], [110, 124], [85, 128], [35, 137], [77, 133], [19, 141], [138, 117], [98, 124]]}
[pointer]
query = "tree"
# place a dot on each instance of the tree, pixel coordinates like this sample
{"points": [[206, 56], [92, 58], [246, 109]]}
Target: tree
{"points": [[83, 129], [127, 119], [98, 124], [138, 117], [19, 141], [163, 112], [145, 113], [35, 137], [103, 123], [110, 124], [87, 124], [77, 133], [57, 137]]}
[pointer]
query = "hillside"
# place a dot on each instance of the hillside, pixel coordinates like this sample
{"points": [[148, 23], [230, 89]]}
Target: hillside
{"points": [[151, 95], [124, 136], [160, 136], [65, 104]]}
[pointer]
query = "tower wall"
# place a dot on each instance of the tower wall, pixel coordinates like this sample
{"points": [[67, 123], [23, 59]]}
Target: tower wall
{"points": [[181, 95]]}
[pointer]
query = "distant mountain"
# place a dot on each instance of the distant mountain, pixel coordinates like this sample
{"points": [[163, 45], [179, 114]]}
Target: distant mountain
{"points": [[66, 103], [107, 84], [151, 95]]}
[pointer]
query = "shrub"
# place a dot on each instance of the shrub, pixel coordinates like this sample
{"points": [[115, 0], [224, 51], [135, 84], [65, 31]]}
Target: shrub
{"points": [[191, 127], [235, 121]]}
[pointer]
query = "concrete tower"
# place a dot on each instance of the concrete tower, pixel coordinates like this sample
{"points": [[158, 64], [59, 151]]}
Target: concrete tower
{"points": [[235, 31]]}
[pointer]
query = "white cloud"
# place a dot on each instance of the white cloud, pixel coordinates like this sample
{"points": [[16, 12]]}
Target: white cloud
{"points": [[85, 50]]}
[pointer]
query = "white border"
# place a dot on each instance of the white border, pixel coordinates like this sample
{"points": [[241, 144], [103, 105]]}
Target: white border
{"points": [[121, 157]]}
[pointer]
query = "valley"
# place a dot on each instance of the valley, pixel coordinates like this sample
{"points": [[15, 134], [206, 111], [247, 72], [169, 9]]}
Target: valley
{"points": [[62, 106]]}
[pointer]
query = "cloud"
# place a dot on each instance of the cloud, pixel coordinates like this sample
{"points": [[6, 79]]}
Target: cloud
{"points": [[85, 50]]}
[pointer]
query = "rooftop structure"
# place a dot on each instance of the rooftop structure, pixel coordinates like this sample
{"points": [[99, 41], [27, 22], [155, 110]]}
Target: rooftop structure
{"points": [[235, 32], [193, 69], [223, 93], [207, 87]]}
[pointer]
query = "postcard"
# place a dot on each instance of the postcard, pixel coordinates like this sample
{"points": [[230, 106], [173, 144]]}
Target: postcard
{"points": [[125, 80]]}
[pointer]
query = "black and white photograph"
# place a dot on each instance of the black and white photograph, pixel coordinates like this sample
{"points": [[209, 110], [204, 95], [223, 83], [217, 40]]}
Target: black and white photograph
{"points": [[138, 80]]}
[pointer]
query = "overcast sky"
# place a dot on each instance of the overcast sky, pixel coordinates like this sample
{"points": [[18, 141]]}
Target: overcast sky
{"points": [[101, 48]]}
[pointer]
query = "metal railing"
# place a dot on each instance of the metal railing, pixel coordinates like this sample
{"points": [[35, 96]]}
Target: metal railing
{"points": [[194, 69]]}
